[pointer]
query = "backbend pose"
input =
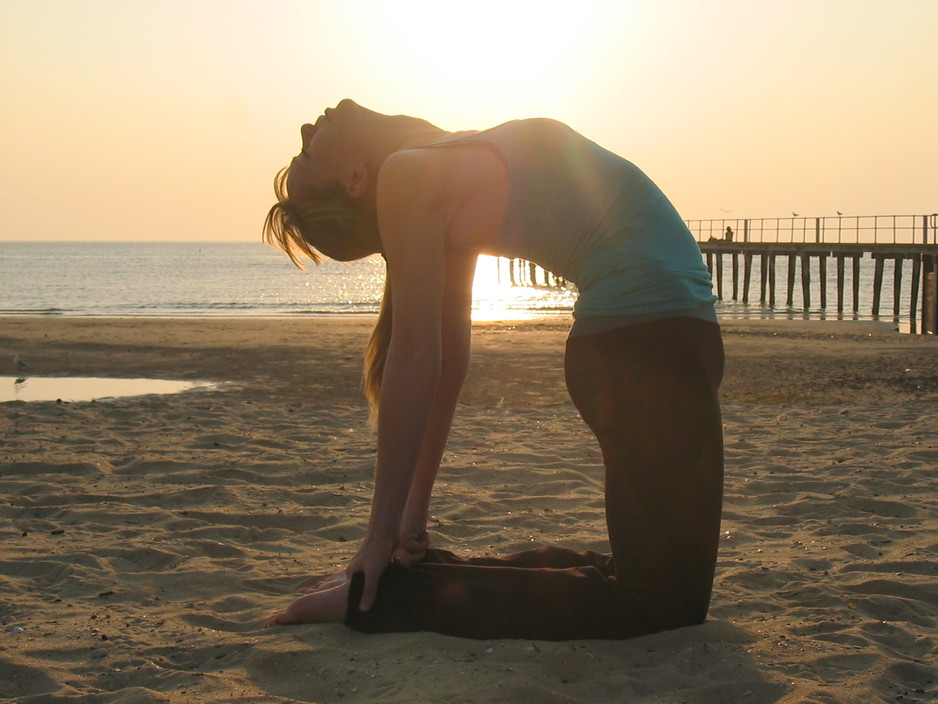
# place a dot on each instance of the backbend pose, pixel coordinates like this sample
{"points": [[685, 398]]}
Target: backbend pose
{"points": [[643, 364]]}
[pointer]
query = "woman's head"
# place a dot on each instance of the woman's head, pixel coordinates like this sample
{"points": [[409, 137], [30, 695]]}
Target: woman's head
{"points": [[326, 197], [322, 196]]}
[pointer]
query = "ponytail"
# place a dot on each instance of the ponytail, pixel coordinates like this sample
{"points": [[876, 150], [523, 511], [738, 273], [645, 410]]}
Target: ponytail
{"points": [[376, 353]]}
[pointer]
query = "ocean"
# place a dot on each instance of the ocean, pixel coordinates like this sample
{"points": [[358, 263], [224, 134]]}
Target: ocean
{"points": [[222, 279], [252, 279]]}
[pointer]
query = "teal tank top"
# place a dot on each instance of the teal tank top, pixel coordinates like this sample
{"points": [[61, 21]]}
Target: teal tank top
{"points": [[595, 219]]}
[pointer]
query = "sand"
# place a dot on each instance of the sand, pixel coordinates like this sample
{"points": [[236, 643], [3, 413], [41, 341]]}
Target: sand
{"points": [[143, 540]]}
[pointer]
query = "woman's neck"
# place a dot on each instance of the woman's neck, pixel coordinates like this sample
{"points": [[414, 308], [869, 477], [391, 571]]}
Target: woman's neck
{"points": [[426, 135]]}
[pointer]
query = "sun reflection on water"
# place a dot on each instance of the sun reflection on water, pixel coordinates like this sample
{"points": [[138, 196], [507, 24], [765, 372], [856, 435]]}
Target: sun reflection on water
{"points": [[494, 297]]}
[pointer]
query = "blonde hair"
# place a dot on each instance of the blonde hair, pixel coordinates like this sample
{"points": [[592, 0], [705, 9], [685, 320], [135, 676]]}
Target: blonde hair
{"points": [[328, 222]]}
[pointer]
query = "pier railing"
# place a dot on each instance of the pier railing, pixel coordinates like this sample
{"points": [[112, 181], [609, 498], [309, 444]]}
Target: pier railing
{"points": [[838, 229]]}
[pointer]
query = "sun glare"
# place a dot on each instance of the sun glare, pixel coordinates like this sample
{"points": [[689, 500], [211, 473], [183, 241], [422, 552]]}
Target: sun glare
{"points": [[512, 56]]}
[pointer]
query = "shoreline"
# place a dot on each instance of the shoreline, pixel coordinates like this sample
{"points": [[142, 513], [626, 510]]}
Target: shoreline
{"points": [[728, 320], [775, 323], [767, 361], [144, 539]]}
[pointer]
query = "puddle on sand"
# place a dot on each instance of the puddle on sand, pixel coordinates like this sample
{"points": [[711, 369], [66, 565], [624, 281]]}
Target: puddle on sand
{"points": [[88, 388]]}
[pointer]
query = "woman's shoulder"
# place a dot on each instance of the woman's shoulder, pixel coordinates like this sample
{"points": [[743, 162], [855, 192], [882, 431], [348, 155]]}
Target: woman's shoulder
{"points": [[411, 180], [440, 170], [461, 191]]}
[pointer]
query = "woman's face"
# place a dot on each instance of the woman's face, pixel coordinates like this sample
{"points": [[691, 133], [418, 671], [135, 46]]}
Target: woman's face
{"points": [[329, 147]]}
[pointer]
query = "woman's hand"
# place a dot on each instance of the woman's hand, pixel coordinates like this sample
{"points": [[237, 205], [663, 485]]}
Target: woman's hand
{"points": [[411, 547], [372, 558]]}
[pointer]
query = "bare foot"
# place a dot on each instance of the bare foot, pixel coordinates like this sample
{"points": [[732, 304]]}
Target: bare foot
{"points": [[330, 582], [323, 606]]}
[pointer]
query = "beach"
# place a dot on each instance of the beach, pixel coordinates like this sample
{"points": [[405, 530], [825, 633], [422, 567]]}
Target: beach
{"points": [[145, 539]]}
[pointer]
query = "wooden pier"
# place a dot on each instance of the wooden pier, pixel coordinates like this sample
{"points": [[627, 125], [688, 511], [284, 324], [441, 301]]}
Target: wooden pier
{"points": [[842, 242], [922, 261]]}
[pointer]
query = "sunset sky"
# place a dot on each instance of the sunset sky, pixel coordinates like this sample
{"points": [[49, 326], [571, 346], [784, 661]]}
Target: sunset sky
{"points": [[167, 119]]}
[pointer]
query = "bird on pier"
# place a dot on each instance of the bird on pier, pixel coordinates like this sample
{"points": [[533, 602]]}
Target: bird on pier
{"points": [[794, 214], [839, 213]]}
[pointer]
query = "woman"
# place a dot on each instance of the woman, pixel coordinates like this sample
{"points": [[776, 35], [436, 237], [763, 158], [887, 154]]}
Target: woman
{"points": [[643, 365]]}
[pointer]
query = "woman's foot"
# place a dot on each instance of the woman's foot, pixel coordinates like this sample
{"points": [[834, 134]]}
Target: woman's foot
{"points": [[321, 606], [333, 580]]}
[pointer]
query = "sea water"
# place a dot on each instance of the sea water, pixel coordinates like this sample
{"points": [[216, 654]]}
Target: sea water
{"points": [[252, 279], [222, 279]]}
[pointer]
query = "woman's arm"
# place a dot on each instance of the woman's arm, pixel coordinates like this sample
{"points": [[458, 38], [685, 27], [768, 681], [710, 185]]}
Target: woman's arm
{"points": [[414, 216], [456, 328]]}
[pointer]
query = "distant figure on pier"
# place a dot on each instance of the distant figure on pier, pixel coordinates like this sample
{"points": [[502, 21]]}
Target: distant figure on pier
{"points": [[727, 237]]}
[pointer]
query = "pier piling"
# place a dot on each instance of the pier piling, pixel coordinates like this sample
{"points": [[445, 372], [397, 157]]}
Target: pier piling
{"points": [[930, 295]]}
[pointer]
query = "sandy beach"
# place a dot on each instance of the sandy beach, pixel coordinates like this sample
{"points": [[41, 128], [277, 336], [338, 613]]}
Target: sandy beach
{"points": [[143, 540]]}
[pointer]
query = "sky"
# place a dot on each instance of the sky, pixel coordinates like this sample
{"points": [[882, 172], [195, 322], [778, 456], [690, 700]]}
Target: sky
{"points": [[167, 119]]}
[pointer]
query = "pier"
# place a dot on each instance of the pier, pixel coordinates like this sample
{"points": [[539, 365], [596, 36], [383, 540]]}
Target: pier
{"points": [[811, 244]]}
